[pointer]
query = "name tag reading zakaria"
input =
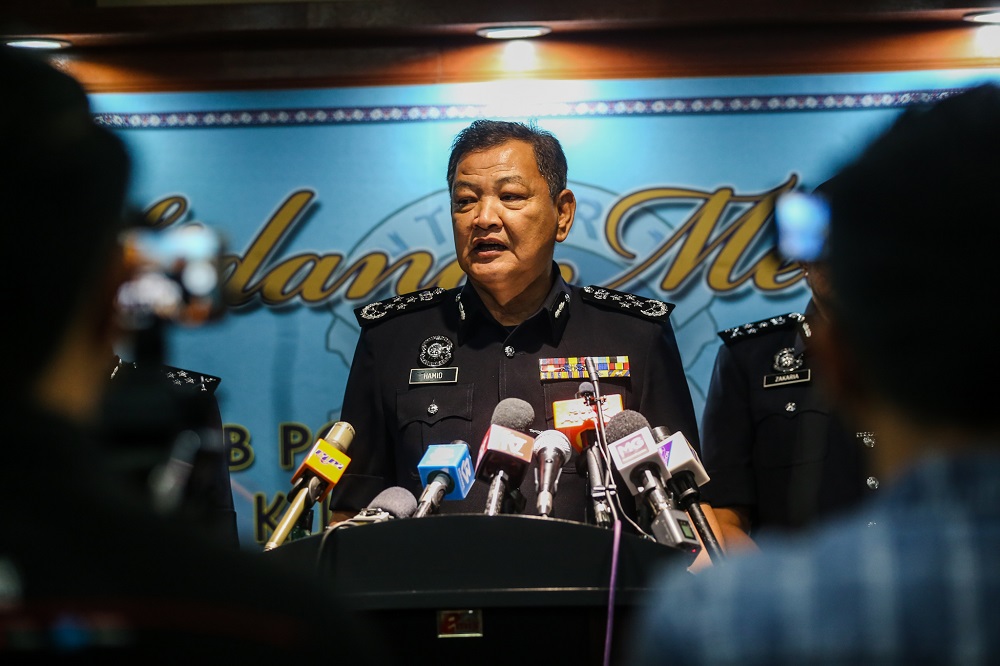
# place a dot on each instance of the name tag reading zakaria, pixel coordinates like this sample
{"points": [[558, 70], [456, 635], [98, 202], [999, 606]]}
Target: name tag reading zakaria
{"points": [[433, 375], [785, 378]]}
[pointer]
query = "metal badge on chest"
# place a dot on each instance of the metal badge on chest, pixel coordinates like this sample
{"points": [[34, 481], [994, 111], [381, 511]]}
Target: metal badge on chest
{"points": [[435, 352], [789, 367]]}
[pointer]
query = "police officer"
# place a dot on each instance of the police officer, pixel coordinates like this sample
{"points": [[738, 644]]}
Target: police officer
{"points": [[777, 455], [431, 367]]}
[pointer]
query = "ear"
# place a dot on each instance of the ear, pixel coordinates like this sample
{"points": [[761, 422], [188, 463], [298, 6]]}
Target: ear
{"points": [[566, 210]]}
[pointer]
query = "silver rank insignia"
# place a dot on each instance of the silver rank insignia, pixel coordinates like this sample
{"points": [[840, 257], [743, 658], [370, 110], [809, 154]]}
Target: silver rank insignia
{"points": [[435, 351]]}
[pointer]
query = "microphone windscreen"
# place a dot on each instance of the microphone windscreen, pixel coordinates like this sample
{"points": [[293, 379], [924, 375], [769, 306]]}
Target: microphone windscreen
{"points": [[586, 387], [624, 423], [513, 413], [553, 439], [395, 500]]}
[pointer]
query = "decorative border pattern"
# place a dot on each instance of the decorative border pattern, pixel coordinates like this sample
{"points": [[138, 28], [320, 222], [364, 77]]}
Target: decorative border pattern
{"points": [[624, 107]]}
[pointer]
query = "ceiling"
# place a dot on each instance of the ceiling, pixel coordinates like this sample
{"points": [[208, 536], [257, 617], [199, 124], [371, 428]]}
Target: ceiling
{"points": [[133, 23]]}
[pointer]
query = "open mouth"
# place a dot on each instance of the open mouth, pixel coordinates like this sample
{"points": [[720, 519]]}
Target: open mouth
{"points": [[489, 247]]}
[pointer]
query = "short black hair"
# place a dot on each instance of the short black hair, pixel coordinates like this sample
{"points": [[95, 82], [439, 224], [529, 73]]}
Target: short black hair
{"points": [[913, 258], [62, 199], [484, 134]]}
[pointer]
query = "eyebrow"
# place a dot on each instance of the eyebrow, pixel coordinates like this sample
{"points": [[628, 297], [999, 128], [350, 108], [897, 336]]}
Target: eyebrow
{"points": [[506, 180]]}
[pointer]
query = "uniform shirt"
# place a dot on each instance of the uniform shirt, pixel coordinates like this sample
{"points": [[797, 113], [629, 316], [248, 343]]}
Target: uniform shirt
{"points": [[769, 439], [395, 420], [920, 589]]}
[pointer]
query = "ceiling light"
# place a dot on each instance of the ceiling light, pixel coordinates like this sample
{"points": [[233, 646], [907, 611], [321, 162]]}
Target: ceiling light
{"points": [[513, 32], [983, 17], [48, 44]]}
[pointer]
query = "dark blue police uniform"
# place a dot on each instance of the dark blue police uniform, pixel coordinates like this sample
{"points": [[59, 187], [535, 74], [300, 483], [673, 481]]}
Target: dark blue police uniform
{"points": [[398, 409], [770, 441]]}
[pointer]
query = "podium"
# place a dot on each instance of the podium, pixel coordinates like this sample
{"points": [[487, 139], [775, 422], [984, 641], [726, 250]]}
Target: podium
{"points": [[483, 589]]}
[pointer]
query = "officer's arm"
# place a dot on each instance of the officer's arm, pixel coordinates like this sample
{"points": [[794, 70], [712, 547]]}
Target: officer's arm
{"points": [[734, 528]]}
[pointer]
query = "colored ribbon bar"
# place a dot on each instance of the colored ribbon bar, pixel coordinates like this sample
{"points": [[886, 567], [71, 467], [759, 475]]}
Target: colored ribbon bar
{"points": [[574, 367]]}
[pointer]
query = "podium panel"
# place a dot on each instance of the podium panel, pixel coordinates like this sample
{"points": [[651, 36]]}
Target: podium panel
{"points": [[486, 589]]}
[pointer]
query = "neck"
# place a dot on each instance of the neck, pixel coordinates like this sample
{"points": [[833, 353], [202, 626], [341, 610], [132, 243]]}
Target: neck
{"points": [[510, 309]]}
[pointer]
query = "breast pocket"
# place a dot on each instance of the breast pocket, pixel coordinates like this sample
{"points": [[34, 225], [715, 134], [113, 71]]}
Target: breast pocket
{"points": [[434, 415], [791, 427]]}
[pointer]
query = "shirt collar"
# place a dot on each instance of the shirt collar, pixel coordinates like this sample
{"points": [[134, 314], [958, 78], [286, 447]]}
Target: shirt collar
{"points": [[805, 327], [554, 311]]}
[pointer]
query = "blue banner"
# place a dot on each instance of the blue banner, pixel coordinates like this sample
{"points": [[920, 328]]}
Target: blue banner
{"points": [[331, 198]]}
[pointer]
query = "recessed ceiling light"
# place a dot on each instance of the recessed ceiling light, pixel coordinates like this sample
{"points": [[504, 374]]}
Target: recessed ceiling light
{"points": [[513, 31], [983, 17], [48, 44]]}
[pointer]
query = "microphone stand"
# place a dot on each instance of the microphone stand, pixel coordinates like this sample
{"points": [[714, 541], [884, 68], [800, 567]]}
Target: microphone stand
{"points": [[498, 490], [687, 497], [602, 484]]}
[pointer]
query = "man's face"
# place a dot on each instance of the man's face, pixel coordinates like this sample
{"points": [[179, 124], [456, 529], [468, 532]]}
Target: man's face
{"points": [[504, 220]]}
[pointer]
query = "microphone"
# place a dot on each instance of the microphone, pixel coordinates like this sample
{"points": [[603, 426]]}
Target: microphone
{"points": [[577, 418], [686, 475], [551, 450], [315, 478], [505, 454], [446, 473], [580, 421], [636, 455], [393, 502], [685, 468]]}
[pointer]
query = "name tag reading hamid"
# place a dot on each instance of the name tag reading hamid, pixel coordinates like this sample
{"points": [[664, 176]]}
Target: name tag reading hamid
{"points": [[433, 376]]}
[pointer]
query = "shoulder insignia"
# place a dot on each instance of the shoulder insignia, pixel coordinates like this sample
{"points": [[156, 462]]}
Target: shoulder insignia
{"points": [[390, 307], [650, 308], [192, 379], [752, 329], [187, 379]]}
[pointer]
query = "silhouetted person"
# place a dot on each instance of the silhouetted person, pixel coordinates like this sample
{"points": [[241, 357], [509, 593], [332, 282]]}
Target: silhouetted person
{"points": [[84, 570], [907, 349]]}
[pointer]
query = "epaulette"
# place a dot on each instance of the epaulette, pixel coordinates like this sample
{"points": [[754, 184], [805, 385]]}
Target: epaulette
{"points": [[752, 329], [390, 307], [192, 379], [189, 379], [649, 308]]}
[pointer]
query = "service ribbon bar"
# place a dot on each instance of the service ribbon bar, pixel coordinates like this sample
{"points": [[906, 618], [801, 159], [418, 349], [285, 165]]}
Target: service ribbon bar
{"points": [[575, 367]]}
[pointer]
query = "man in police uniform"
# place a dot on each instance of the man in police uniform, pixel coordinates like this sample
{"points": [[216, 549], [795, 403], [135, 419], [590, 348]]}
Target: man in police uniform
{"points": [[777, 455], [498, 336]]}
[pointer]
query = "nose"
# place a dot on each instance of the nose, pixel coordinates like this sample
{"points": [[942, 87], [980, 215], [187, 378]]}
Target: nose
{"points": [[488, 213]]}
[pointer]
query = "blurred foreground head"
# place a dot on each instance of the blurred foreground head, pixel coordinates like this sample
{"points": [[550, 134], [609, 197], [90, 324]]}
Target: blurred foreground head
{"points": [[913, 254], [63, 192]]}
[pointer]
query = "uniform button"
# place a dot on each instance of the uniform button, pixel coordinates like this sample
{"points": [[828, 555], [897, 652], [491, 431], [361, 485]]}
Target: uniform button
{"points": [[432, 409], [791, 407], [508, 351], [872, 482]]}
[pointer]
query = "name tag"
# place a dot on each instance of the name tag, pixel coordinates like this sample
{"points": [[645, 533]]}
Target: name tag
{"points": [[433, 375], [797, 377]]}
